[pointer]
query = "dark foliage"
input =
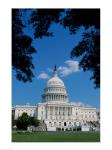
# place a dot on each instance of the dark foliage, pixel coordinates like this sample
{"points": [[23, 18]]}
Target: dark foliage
{"points": [[23, 122], [34, 121], [22, 49], [89, 49], [73, 19], [41, 20]]}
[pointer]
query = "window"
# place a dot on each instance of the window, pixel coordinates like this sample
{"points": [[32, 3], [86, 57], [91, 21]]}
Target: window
{"points": [[59, 123], [64, 123], [55, 123]]}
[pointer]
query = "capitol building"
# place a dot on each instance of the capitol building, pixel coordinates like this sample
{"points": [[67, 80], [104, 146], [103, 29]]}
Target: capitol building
{"points": [[56, 110]]}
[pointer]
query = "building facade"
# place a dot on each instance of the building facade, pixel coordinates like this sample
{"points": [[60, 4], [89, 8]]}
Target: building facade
{"points": [[55, 109]]}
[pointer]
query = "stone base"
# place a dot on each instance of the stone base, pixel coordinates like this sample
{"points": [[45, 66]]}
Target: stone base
{"points": [[51, 128]]}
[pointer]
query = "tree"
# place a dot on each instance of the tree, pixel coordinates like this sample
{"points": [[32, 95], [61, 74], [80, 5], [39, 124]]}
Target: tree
{"points": [[89, 48], [23, 122], [34, 121], [73, 19], [41, 20], [22, 48]]}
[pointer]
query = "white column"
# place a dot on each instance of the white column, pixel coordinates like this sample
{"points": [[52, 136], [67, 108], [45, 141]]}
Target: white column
{"points": [[67, 110], [71, 110], [54, 111]]}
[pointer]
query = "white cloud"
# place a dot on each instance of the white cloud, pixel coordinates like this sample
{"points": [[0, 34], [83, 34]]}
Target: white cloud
{"points": [[82, 104], [43, 75], [72, 66]]}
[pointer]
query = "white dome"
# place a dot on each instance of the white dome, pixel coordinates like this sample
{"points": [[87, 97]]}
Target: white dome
{"points": [[55, 90], [55, 81]]}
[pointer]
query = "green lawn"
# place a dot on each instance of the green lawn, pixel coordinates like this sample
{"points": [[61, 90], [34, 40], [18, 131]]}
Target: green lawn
{"points": [[56, 137]]}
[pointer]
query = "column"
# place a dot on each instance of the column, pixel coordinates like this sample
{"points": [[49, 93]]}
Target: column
{"points": [[71, 110], [54, 112], [58, 110]]}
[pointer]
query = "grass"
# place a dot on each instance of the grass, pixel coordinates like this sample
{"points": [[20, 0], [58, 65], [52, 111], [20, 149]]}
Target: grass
{"points": [[56, 137]]}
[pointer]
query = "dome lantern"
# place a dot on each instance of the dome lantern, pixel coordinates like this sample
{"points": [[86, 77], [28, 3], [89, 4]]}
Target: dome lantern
{"points": [[55, 71]]}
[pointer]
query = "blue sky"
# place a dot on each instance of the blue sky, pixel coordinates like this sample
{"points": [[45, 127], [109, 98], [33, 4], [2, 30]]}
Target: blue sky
{"points": [[56, 51]]}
